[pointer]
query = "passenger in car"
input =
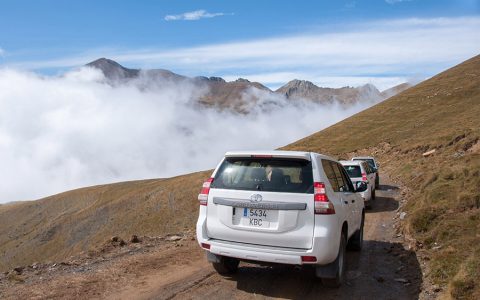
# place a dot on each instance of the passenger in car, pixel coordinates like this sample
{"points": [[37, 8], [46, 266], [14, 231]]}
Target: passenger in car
{"points": [[268, 172]]}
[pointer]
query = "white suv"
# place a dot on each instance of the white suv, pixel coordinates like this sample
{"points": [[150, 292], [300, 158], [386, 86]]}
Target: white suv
{"points": [[359, 171], [374, 165], [284, 207]]}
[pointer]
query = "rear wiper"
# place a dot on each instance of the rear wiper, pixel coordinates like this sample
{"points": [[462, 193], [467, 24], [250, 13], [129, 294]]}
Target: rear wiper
{"points": [[259, 187]]}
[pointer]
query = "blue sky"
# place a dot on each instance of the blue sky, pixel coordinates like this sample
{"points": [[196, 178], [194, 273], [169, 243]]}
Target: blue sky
{"points": [[331, 43]]}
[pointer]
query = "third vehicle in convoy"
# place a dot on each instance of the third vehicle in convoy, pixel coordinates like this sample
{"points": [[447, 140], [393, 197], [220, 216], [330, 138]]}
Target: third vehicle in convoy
{"points": [[284, 207], [373, 164]]}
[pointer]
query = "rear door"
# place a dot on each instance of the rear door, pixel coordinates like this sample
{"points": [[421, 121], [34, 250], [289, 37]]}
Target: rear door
{"points": [[370, 174], [263, 201], [347, 195]]}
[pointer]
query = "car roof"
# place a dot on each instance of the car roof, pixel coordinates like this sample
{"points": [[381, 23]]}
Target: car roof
{"points": [[276, 153], [363, 157], [351, 163]]}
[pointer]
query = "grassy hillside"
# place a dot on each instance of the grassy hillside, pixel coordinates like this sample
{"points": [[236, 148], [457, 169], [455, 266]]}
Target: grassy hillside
{"points": [[443, 209], [65, 224], [442, 113]]}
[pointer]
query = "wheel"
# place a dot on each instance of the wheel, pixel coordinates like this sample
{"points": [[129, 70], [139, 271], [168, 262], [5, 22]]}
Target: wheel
{"points": [[373, 194], [226, 266], [377, 180], [356, 241], [340, 263]]}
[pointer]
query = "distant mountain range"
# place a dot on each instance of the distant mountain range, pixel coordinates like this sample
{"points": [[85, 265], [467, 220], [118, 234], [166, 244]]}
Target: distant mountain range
{"points": [[241, 94]]}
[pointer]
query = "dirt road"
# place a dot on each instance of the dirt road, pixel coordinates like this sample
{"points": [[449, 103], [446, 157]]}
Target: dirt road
{"points": [[178, 270]]}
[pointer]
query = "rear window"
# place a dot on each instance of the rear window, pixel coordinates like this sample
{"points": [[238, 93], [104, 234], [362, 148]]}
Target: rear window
{"points": [[370, 162], [353, 171], [265, 174]]}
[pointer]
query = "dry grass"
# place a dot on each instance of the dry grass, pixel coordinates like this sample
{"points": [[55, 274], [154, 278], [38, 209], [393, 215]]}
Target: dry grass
{"points": [[442, 113], [65, 224]]}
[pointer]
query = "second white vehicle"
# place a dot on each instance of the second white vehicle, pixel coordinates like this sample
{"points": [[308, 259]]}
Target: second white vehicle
{"points": [[358, 171], [284, 207]]}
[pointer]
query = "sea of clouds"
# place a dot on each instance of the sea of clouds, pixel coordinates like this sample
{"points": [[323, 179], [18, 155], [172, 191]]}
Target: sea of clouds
{"points": [[63, 132]]}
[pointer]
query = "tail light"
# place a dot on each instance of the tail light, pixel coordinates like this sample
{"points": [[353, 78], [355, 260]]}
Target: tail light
{"points": [[203, 196], [364, 177], [309, 259], [205, 246], [323, 206]]}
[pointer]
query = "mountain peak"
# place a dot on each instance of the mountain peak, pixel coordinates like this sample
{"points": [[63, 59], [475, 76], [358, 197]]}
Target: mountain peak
{"points": [[113, 70], [297, 83]]}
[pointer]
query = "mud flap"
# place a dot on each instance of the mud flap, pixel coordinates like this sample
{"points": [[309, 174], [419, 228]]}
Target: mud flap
{"points": [[213, 258], [327, 271]]}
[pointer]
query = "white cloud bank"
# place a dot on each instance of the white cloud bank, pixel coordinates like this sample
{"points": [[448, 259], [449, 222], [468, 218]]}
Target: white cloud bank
{"points": [[404, 48], [194, 15], [60, 133]]}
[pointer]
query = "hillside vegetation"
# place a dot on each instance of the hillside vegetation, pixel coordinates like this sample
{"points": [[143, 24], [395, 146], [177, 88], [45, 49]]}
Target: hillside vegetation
{"points": [[66, 224], [443, 211]]}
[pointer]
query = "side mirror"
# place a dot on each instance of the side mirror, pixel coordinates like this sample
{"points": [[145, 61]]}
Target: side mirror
{"points": [[360, 186]]}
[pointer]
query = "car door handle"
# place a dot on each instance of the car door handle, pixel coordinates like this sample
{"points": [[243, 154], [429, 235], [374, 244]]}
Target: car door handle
{"points": [[353, 201], [345, 201]]}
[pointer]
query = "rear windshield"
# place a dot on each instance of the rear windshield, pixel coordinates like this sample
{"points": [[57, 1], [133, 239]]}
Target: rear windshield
{"points": [[265, 174], [353, 171], [370, 162]]}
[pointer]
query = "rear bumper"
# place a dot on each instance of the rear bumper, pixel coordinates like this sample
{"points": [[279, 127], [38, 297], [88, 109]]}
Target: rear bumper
{"points": [[268, 254], [325, 247]]}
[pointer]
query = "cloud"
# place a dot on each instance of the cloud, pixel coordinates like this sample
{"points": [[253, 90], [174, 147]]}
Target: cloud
{"points": [[418, 47], [2, 52], [194, 15], [60, 133], [392, 2]]}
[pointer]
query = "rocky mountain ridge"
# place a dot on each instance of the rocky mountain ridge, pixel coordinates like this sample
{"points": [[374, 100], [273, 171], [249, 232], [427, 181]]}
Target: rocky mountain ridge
{"points": [[242, 94]]}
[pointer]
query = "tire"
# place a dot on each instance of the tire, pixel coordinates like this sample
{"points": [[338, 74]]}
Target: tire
{"points": [[373, 194], [356, 241], [226, 266], [340, 264], [377, 181]]}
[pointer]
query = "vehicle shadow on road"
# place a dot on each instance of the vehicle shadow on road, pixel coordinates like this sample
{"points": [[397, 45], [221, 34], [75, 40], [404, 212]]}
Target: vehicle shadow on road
{"points": [[382, 204], [387, 187], [383, 270]]}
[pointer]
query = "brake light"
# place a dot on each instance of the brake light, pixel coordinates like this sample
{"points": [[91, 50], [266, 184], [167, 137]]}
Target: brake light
{"points": [[203, 196], [322, 204], [309, 259], [364, 176]]}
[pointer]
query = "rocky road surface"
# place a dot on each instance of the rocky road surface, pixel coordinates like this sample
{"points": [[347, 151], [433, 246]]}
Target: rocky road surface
{"points": [[174, 267]]}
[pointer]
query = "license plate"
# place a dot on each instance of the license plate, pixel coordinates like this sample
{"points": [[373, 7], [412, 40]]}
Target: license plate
{"points": [[255, 217]]}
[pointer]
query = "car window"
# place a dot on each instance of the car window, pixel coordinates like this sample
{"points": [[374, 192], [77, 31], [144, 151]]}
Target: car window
{"points": [[265, 174], [342, 184], [346, 179], [370, 162], [353, 171], [327, 167], [367, 168]]}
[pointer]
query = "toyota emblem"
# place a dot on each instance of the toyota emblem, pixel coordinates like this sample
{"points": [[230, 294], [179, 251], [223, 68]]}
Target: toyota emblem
{"points": [[256, 198]]}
